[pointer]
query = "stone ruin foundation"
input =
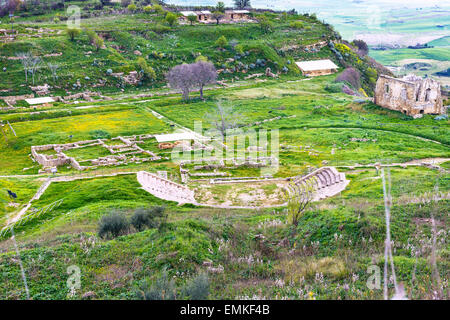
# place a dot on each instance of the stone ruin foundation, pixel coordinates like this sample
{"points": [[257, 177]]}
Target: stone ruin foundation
{"points": [[120, 154]]}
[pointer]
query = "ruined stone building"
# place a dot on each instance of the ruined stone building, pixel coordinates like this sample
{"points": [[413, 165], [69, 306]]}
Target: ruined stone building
{"points": [[410, 95]]}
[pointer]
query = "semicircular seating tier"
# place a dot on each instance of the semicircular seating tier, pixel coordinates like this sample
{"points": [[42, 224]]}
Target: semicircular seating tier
{"points": [[164, 188], [325, 182]]}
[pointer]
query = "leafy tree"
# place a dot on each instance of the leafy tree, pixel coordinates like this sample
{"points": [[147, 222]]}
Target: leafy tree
{"points": [[98, 43], [113, 225], [192, 19], [171, 18], [72, 33], [297, 25], [95, 39], [201, 58], [222, 42], [132, 7], [218, 15], [363, 48], [220, 7], [242, 4]]}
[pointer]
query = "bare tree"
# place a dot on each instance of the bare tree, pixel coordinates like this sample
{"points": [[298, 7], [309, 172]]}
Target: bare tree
{"points": [[181, 77], [35, 64], [188, 76], [53, 69], [25, 58], [223, 118], [298, 197], [204, 73]]}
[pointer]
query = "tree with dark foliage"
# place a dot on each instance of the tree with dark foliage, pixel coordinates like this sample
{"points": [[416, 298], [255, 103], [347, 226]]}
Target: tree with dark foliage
{"points": [[350, 76], [9, 7], [363, 48], [242, 4]]}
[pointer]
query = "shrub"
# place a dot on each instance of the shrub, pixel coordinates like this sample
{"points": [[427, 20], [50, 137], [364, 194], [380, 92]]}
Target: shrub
{"points": [[222, 42], [100, 134], [201, 58], [239, 49], [295, 269], [113, 225], [148, 218], [72, 33], [148, 9], [147, 71], [158, 8], [171, 18], [266, 25], [197, 288], [94, 39], [296, 25], [334, 87], [131, 7], [161, 289]]}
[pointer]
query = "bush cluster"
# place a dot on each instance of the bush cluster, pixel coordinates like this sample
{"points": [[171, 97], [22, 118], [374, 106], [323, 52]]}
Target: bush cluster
{"points": [[116, 224], [164, 288]]}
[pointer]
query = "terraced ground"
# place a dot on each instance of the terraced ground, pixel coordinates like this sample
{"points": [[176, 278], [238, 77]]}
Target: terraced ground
{"points": [[325, 256]]}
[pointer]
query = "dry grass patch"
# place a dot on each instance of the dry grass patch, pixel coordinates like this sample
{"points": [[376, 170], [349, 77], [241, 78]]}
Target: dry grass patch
{"points": [[299, 268]]}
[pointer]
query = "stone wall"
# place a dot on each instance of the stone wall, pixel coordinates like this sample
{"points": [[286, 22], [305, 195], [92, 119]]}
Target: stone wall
{"points": [[410, 95]]}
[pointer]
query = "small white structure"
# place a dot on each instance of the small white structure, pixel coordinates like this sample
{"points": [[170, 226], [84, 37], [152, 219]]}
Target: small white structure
{"points": [[237, 15], [34, 101], [188, 13], [177, 137], [317, 67]]}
